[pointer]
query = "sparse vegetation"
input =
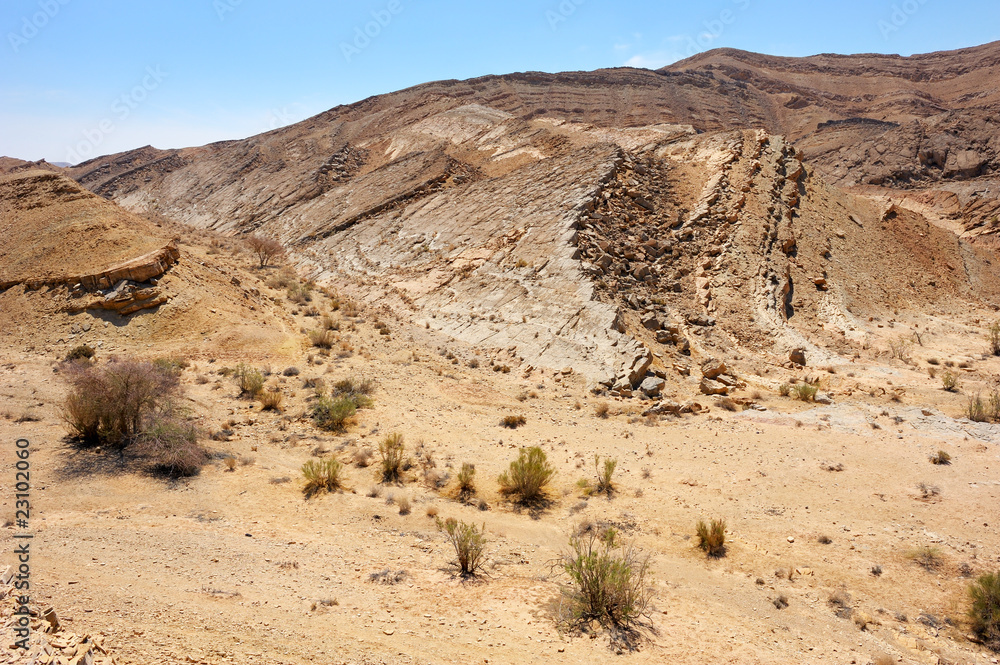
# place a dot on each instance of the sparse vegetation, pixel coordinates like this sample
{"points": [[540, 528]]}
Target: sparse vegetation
{"points": [[333, 414], [608, 583], [975, 408], [322, 476], [469, 543], [390, 450], [712, 537], [941, 457], [322, 339], [900, 349], [266, 250], [466, 479], [949, 381], [528, 475], [512, 422], [271, 400], [250, 380], [985, 611], [785, 389], [83, 352], [805, 392], [994, 338], [602, 410], [171, 364], [927, 556], [604, 473], [404, 505]]}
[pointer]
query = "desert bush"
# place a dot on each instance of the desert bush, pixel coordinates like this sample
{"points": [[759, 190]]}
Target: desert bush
{"points": [[299, 293], [271, 400], [291, 371], [230, 461], [900, 348], [608, 581], [784, 389], [805, 392], [171, 364], [466, 479], [322, 339], [527, 476], [112, 403], [975, 408], [171, 445], [82, 352], [390, 450], [994, 338], [356, 389], [512, 422], [949, 381], [322, 475], [602, 410], [712, 537], [469, 544], [941, 457], [266, 250], [404, 505], [604, 473], [985, 611], [333, 414], [249, 380]]}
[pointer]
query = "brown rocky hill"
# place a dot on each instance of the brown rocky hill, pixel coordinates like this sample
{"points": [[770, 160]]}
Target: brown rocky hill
{"points": [[606, 220]]}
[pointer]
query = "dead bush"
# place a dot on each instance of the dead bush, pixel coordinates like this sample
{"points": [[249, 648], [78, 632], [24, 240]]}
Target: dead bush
{"points": [[512, 422]]}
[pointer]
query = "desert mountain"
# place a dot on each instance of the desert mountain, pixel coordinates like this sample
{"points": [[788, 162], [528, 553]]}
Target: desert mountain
{"points": [[573, 219]]}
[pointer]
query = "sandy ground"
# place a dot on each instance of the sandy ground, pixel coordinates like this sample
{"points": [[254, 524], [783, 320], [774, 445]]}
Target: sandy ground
{"points": [[237, 567]]}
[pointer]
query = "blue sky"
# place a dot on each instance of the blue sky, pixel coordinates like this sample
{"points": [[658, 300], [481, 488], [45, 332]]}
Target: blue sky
{"points": [[80, 78]]}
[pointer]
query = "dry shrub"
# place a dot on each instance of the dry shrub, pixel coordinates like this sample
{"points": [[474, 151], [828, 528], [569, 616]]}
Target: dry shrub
{"points": [[728, 404], [512, 422], [322, 339], [250, 380], [926, 556], [949, 381], [230, 462], [608, 584], [322, 475], [985, 611], [390, 450], [805, 392], [171, 445], [267, 250], [712, 537], [602, 410], [994, 338], [271, 400], [941, 457], [469, 544], [528, 475], [83, 352], [171, 364], [363, 457], [784, 389], [466, 479], [404, 505], [604, 483]]}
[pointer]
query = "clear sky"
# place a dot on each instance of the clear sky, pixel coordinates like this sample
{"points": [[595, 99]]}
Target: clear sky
{"points": [[80, 78]]}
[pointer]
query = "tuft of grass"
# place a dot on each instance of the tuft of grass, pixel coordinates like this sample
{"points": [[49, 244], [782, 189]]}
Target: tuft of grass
{"points": [[390, 450], [608, 583], [404, 505], [322, 339], [171, 365], [230, 462], [941, 457], [785, 389], [781, 602], [250, 380], [512, 422], [926, 556], [975, 409], [985, 610], [604, 473], [602, 410], [469, 544], [527, 476], [824, 540], [322, 475], [333, 414], [271, 400], [712, 537]]}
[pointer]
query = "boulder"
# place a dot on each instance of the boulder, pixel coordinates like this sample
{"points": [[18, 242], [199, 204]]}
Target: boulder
{"points": [[712, 368], [651, 322], [710, 387], [637, 369], [665, 406], [727, 380], [798, 356], [652, 386]]}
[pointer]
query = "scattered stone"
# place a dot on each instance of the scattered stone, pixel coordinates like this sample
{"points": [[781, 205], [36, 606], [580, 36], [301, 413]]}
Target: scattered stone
{"points": [[652, 386], [710, 387], [712, 368], [798, 356]]}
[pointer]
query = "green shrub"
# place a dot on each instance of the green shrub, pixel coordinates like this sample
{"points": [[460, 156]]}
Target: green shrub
{"points": [[171, 365], [948, 381], [82, 352], [333, 414], [604, 484], [250, 380], [466, 479], [712, 537], [469, 544], [390, 450], [528, 475], [322, 475], [805, 392], [784, 389], [608, 581], [975, 409], [985, 610]]}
